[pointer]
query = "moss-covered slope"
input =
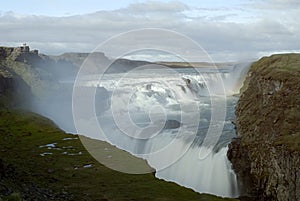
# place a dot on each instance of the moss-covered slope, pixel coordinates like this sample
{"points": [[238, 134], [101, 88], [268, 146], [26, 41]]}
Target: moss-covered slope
{"points": [[41, 162]]}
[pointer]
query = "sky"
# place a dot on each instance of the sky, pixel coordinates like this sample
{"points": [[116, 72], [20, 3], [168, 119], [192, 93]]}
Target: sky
{"points": [[234, 30]]}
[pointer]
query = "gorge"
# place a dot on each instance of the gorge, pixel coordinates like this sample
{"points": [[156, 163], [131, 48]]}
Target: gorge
{"points": [[264, 155]]}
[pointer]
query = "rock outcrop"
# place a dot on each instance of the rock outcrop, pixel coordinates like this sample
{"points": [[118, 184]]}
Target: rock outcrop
{"points": [[266, 153], [13, 90], [27, 67]]}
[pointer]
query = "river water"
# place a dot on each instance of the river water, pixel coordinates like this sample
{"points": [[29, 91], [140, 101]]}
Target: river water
{"points": [[179, 120]]}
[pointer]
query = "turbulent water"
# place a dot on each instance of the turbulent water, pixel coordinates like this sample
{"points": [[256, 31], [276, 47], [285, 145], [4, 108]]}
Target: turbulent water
{"points": [[168, 117]]}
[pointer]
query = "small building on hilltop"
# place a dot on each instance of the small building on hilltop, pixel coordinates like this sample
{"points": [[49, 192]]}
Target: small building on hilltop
{"points": [[25, 49], [24, 54]]}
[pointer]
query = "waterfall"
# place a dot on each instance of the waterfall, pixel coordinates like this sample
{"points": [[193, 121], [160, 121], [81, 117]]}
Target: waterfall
{"points": [[144, 101], [210, 175], [181, 162]]}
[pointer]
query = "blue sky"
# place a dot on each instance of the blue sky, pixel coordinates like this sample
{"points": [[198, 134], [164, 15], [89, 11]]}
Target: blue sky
{"points": [[227, 30], [59, 7], [74, 7]]}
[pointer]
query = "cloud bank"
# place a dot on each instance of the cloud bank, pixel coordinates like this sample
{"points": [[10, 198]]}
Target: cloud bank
{"points": [[243, 32]]}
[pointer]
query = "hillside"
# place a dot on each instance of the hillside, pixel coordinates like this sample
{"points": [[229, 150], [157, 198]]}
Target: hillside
{"points": [[38, 161]]}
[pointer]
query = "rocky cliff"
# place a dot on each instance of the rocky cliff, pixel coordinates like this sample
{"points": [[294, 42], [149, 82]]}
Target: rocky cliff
{"points": [[12, 88], [27, 67], [266, 154]]}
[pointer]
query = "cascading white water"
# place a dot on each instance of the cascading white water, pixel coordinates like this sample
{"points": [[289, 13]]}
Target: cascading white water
{"points": [[212, 174]]}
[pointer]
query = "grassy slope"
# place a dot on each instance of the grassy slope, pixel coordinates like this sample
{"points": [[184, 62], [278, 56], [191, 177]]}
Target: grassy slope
{"points": [[282, 113], [282, 67], [22, 134]]}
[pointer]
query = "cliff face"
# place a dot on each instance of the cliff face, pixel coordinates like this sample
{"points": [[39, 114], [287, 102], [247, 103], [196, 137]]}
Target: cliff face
{"points": [[13, 90], [266, 154], [25, 68], [25, 74]]}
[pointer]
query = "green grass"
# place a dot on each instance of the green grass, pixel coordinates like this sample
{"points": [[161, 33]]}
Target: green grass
{"points": [[11, 197], [22, 135], [279, 66]]}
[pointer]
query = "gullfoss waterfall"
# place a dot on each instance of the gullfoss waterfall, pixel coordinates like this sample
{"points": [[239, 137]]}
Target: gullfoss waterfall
{"points": [[166, 117]]}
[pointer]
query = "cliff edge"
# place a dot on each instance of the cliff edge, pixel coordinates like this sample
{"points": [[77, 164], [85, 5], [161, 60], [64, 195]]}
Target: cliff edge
{"points": [[266, 153]]}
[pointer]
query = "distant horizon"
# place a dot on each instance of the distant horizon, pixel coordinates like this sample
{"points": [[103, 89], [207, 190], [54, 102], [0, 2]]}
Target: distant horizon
{"points": [[144, 59], [154, 61]]}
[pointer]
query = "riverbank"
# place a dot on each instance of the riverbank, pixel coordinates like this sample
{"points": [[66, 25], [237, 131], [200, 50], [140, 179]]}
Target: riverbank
{"points": [[41, 162]]}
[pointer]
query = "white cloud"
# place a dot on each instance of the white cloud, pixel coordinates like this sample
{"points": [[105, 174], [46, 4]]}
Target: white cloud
{"points": [[157, 7], [276, 4], [224, 39]]}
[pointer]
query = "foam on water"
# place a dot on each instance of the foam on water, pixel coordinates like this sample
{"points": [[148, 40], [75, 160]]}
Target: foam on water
{"points": [[180, 162]]}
